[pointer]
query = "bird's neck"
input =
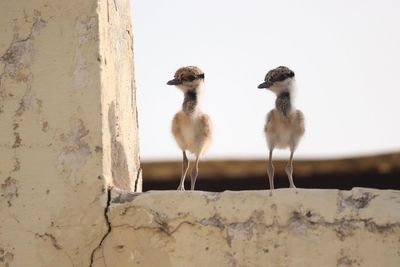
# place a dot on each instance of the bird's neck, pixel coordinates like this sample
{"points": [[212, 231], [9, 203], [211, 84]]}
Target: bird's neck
{"points": [[191, 101], [283, 102]]}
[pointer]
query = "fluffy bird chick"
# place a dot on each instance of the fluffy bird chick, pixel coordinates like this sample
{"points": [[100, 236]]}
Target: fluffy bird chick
{"points": [[190, 127], [285, 125]]}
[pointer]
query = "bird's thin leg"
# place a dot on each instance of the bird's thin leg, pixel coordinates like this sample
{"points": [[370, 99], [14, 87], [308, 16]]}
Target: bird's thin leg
{"points": [[270, 170], [185, 167], [195, 172], [289, 169]]}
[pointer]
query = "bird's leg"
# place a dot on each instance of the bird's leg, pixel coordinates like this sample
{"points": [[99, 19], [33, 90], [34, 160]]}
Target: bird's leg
{"points": [[289, 169], [270, 170], [185, 167], [195, 172]]}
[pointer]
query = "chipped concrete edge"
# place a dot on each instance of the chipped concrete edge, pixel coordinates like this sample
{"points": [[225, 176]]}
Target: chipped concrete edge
{"points": [[238, 217]]}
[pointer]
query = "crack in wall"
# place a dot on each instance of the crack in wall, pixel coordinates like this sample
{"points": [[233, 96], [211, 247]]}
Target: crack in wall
{"points": [[52, 239], [138, 177], [109, 227], [298, 224]]}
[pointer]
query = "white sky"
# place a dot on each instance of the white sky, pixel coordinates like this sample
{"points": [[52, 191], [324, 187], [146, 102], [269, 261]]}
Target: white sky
{"points": [[345, 54]]}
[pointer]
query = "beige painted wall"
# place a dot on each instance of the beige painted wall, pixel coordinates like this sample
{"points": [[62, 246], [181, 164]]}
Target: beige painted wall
{"points": [[288, 228], [68, 126], [120, 123], [68, 130]]}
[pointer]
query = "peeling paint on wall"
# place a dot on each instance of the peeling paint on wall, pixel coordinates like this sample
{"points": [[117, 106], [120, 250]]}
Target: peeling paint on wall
{"points": [[17, 61], [9, 190], [299, 228], [119, 164], [87, 31], [75, 153], [6, 257], [54, 101], [120, 139]]}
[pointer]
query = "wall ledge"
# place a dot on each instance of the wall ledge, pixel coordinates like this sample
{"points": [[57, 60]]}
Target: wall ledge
{"points": [[285, 227]]}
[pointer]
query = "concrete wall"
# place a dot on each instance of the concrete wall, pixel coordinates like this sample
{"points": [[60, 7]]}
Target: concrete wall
{"points": [[68, 126], [120, 123], [299, 228], [68, 132]]}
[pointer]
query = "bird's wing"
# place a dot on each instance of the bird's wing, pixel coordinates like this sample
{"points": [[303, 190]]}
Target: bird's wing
{"points": [[300, 121], [205, 126]]}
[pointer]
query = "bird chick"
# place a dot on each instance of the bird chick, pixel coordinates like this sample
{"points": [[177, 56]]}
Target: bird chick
{"points": [[190, 127], [285, 125]]}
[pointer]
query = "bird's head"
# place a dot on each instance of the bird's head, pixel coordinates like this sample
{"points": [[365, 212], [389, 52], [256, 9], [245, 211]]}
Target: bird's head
{"points": [[278, 80], [187, 78]]}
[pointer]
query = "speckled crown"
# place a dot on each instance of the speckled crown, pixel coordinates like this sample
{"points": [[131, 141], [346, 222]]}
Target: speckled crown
{"points": [[278, 74], [186, 71]]}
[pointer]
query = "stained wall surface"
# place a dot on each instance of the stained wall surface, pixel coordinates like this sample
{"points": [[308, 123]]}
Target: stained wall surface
{"points": [[299, 228], [67, 125], [68, 131]]}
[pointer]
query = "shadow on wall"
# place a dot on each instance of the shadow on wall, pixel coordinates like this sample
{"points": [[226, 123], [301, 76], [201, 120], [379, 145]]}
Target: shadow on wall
{"points": [[119, 164]]}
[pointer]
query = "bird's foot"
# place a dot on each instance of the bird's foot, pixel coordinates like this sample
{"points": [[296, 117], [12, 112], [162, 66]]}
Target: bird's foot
{"points": [[181, 188]]}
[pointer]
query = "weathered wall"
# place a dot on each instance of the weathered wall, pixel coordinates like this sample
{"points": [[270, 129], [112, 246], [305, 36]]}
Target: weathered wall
{"points": [[299, 228], [64, 126], [120, 129], [68, 130]]}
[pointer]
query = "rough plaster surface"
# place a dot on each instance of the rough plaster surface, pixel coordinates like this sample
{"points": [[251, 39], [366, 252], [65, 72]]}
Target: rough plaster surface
{"points": [[120, 129], [253, 228], [55, 93]]}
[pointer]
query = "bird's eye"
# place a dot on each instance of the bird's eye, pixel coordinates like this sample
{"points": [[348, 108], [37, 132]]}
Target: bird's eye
{"points": [[191, 78]]}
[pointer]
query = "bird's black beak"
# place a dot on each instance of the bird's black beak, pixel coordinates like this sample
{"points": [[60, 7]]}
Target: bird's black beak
{"points": [[174, 82], [263, 85]]}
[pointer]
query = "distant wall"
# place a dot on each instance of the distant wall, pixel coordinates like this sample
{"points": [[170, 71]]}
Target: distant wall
{"points": [[68, 126], [375, 171]]}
